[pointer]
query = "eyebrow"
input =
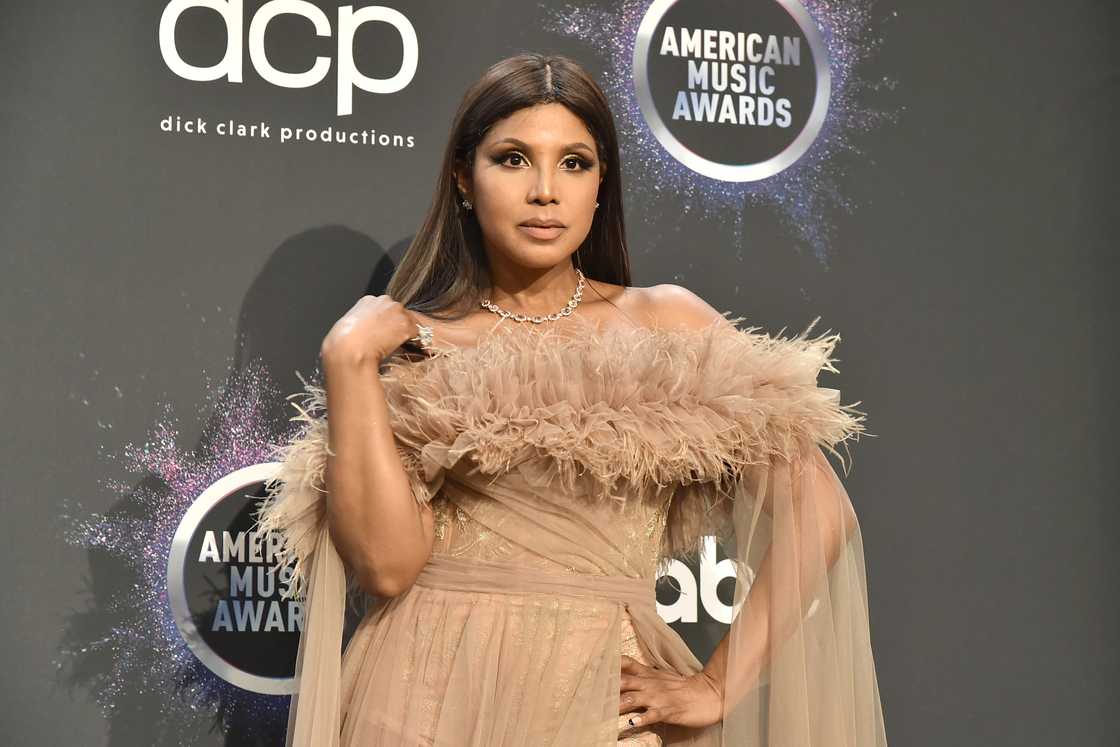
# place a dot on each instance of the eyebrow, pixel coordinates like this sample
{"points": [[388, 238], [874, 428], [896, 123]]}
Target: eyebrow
{"points": [[526, 146]]}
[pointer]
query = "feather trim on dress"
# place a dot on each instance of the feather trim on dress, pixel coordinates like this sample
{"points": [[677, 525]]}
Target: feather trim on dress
{"points": [[649, 407]]}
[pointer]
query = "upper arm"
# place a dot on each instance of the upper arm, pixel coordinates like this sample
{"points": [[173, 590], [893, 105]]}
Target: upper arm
{"points": [[674, 306]]}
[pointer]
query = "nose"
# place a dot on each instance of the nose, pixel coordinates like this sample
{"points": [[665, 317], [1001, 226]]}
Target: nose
{"points": [[544, 191]]}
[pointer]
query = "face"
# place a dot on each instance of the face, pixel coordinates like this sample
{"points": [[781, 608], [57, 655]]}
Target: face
{"points": [[538, 165]]}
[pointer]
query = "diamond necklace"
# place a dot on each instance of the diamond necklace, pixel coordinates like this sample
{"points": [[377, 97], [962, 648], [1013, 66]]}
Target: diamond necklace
{"points": [[517, 317]]}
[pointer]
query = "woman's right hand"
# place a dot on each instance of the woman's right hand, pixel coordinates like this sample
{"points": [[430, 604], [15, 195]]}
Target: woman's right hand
{"points": [[373, 327]]}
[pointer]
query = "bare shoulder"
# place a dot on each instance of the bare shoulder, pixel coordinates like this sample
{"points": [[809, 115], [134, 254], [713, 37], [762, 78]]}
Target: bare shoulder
{"points": [[673, 306]]}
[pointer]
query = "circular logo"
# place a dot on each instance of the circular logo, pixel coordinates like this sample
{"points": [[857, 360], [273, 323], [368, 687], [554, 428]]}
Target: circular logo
{"points": [[224, 595], [736, 91]]}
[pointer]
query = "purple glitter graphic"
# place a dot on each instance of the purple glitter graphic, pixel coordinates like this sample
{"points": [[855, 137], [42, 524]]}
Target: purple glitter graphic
{"points": [[127, 649], [801, 193]]}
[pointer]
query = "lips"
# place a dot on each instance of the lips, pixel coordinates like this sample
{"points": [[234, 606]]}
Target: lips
{"points": [[541, 228], [545, 233], [543, 223]]}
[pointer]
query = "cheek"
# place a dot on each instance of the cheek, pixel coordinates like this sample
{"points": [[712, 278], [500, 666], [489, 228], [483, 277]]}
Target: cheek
{"points": [[495, 191]]}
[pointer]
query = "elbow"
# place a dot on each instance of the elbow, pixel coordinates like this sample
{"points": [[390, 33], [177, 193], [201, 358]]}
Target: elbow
{"points": [[391, 587], [386, 583]]}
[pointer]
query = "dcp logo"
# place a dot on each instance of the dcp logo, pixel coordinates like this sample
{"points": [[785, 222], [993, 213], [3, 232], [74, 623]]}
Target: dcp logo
{"points": [[349, 20]]}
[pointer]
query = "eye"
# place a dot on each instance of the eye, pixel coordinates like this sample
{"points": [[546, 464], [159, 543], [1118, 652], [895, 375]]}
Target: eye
{"points": [[512, 154], [582, 164]]}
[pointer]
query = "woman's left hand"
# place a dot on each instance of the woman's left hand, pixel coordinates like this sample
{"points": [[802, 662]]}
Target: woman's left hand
{"points": [[666, 697]]}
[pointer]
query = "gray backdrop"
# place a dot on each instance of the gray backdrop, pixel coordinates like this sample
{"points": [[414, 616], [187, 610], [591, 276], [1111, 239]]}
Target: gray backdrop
{"points": [[971, 283]]}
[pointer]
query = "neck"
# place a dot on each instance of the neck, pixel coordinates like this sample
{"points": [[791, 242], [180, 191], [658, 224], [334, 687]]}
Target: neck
{"points": [[531, 291]]}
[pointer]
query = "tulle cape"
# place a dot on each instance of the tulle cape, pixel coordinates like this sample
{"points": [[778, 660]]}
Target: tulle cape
{"points": [[732, 415]]}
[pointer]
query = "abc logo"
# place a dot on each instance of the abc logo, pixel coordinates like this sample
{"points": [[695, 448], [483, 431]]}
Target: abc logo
{"points": [[695, 593], [349, 20]]}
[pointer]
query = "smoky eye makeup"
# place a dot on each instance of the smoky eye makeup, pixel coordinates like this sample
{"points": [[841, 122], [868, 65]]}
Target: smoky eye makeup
{"points": [[582, 163]]}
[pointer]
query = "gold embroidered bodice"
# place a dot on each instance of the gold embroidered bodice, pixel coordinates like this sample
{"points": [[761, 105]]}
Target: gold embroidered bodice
{"points": [[471, 526]]}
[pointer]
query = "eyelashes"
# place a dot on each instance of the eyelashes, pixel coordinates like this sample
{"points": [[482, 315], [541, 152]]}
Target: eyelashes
{"points": [[582, 164]]}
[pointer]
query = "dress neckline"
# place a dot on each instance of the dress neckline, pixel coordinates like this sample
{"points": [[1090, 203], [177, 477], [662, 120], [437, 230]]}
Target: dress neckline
{"points": [[579, 330]]}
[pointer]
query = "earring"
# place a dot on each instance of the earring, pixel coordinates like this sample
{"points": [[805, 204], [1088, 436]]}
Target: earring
{"points": [[596, 204], [467, 204]]}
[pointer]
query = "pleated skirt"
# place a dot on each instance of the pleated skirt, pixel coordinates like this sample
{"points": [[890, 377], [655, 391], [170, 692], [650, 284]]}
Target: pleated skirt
{"points": [[491, 654]]}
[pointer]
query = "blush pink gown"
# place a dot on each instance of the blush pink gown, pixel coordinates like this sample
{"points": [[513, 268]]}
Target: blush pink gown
{"points": [[563, 471]]}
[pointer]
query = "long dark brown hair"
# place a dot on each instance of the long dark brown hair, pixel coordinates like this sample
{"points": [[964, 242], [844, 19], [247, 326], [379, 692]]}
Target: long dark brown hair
{"points": [[445, 266]]}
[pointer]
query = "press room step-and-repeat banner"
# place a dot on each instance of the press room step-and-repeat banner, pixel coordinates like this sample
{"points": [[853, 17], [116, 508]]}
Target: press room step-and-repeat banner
{"points": [[196, 189]]}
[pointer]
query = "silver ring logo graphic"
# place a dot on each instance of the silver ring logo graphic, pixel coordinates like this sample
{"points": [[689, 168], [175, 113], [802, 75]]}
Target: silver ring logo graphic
{"points": [[223, 595], [744, 60]]}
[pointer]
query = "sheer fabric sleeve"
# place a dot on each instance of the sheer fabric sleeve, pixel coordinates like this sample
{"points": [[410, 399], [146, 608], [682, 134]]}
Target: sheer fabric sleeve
{"points": [[295, 506], [800, 670], [797, 662]]}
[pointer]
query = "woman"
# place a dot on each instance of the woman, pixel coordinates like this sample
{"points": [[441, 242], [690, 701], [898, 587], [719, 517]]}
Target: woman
{"points": [[507, 493]]}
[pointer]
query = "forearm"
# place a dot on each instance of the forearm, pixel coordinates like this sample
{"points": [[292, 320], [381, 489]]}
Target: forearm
{"points": [[375, 523], [776, 601]]}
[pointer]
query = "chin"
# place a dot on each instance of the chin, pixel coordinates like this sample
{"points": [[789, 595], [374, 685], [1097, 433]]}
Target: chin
{"points": [[534, 257]]}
